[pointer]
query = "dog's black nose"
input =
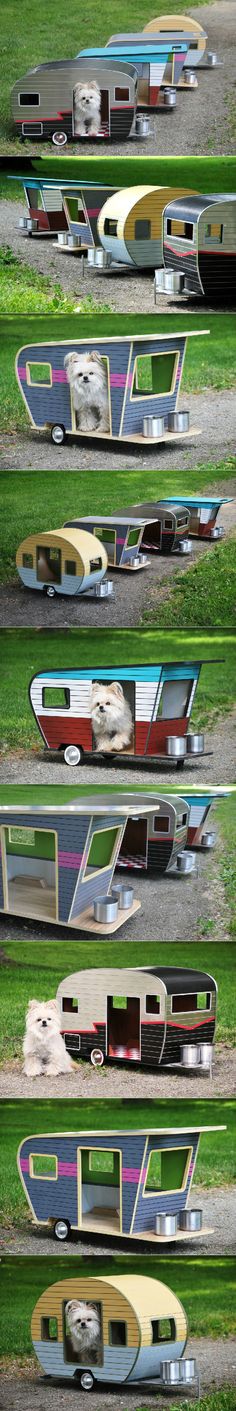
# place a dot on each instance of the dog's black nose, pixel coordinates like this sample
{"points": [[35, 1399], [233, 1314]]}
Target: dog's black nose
{"points": [[85, 379], [44, 1023], [102, 708]]}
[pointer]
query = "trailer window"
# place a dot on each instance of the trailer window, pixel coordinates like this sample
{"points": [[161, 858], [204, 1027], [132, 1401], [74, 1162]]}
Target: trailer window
{"points": [[142, 230], [49, 1329], [182, 1004], [110, 226], [70, 1004], [101, 851], [155, 374], [174, 698], [119, 1002], [163, 1330], [29, 100], [95, 564], [39, 374], [27, 560], [105, 533], [181, 821], [43, 1167], [182, 228], [167, 1170], [214, 232], [102, 1161], [70, 567], [161, 823], [133, 538], [56, 697], [152, 1004], [22, 836], [117, 1333], [168, 523], [121, 95]]}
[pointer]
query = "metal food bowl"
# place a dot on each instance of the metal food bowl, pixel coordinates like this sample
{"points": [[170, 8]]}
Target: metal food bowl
{"points": [[217, 532], [170, 281], [176, 749], [28, 223], [206, 1055], [190, 1220], [142, 125], [185, 546], [142, 558], [153, 426], [211, 59], [166, 1224], [105, 909], [189, 78], [178, 421], [105, 589], [170, 1372], [63, 237], [190, 1055], [185, 862], [208, 840], [124, 896], [195, 743], [74, 242], [169, 97], [188, 1369]]}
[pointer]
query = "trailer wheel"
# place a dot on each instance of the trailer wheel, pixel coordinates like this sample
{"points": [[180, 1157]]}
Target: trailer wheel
{"points": [[50, 591], [87, 1381], [59, 139], [58, 435], [73, 755], [61, 1230], [97, 1057]]}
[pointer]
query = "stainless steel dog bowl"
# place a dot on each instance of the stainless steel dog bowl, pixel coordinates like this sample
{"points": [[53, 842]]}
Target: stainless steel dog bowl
{"points": [[208, 840], [185, 546], [28, 223], [124, 896], [153, 426], [105, 589], [170, 281], [105, 909], [195, 743], [166, 1224], [63, 237], [170, 1372], [190, 1055], [217, 532], [178, 421], [188, 1369], [176, 749], [189, 78], [211, 59], [142, 125], [206, 1055], [185, 862], [169, 96], [190, 1220], [142, 558], [74, 242]]}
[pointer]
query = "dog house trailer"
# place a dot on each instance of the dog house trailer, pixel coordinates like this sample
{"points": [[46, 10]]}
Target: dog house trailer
{"points": [[130, 225], [143, 1333], [158, 844], [66, 209], [122, 536], [200, 804], [201, 523], [178, 25], [146, 1016], [166, 526], [132, 1185], [58, 859], [150, 58], [174, 73], [160, 700], [43, 102], [63, 561], [143, 385], [199, 247]]}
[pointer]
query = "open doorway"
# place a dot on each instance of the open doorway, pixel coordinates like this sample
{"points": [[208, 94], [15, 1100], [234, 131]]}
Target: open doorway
{"points": [[134, 846], [82, 119], [48, 564], [100, 1189], [113, 714], [29, 861], [123, 1027], [151, 537]]}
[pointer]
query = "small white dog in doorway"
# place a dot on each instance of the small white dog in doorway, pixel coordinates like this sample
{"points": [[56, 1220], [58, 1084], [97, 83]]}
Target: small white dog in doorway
{"points": [[84, 1328], [87, 375], [111, 717], [87, 109], [43, 1046]]}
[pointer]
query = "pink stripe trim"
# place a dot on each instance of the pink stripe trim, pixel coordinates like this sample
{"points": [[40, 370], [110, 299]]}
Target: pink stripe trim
{"points": [[67, 859], [24, 1163], [132, 1174], [22, 374], [67, 1168], [58, 375], [117, 379]]}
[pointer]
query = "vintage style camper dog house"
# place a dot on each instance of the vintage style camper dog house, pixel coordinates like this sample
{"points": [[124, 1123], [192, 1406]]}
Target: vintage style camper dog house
{"points": [[68, 561], [156, 845], [201, 523], [174, 74], [199, 247], [143, 1332], [160, 698], [43, 102], [158, 1017], [200, 805], [58, 858], [150, 57], [130, 225], [121, 536], [68, 209], [203, 511], [166, 525], [143, 382], [134, 1185], [179, 25]]}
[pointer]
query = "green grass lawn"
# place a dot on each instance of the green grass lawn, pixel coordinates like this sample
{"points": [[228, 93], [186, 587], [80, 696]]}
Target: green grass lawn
{"points": [[30, 501], [223, 1400], [28, 973], [204, 366], [205, 1287], [23, 290], [50, 37], [204, 596], [228, 861], [26, 652], [216, 1162], [208, 174]]}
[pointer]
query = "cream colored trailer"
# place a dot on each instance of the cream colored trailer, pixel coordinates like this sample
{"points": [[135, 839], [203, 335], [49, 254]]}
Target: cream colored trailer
{"points": [[142, 1323], [178, 24], [130, 224], [62, 561]]}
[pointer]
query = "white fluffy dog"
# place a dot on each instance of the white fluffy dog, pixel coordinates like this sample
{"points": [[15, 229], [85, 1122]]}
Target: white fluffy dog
{"points": [[84, 1329], [111, 717], [43, 1047], [87, 375], [87, 109]]}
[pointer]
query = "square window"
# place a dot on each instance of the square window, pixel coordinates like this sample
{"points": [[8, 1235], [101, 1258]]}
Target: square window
{"points": [[29, 100], [117, 1333], [102, 1161], [102, 847], [39, 374], [152, 1004], [110, 226], [56, 697], [70, 1004], [167, 1169], [119, 1002], [163, 1330], [95, 565], [70, 567], [142, 230], [121, 95], [133, 538], [19, 836], [154, 374], [27, 560], [161, 823], [49, 1329], [43, 1166]]}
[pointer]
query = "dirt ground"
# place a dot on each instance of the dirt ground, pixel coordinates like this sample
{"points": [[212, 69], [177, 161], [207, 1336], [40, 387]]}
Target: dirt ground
{"points": [[218, 763], [218, 1207], [120, 1081], [202, 119], [213, 412], [131, 598], [24, 1389]]}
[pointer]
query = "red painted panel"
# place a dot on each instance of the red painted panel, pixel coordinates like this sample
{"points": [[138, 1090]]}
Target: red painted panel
{"points": [[158, 734], [66, 731], [41, 218]]}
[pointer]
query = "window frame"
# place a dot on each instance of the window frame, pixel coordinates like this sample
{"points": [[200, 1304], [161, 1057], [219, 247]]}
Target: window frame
{"points": [[172, 1190], [29, 105], [67, 704], [37, 363], [42, 1154], [99, 871], [148, 396]]}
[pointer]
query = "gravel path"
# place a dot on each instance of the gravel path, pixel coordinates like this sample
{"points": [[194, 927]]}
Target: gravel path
{"points": [[175, 906], [122, 1082], [218, 1207], [212, 411], [25, 1390], [125, 290], [201, 122], [24, 609], [219, 764]]}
